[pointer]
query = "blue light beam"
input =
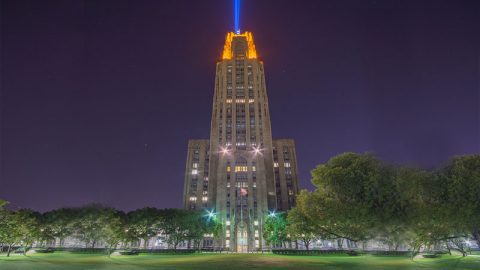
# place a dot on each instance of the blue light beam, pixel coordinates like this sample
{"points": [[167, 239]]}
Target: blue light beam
{"points": [[236, 12]]}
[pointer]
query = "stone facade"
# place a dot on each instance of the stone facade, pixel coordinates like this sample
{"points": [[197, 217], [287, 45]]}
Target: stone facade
{"points": [[241, 173]]}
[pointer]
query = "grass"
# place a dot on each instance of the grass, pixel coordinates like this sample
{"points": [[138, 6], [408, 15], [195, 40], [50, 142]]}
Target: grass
{"points": [[68, 261]]}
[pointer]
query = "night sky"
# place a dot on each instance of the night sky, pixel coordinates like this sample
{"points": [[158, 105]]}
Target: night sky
{"points": [[99, 98]]}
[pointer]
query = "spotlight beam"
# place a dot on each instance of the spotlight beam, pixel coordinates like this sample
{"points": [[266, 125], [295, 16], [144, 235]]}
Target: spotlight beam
{"points": [[236, 12]]}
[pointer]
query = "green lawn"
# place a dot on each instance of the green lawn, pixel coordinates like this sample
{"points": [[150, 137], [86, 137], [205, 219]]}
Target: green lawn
{"points": [[229, 261]]}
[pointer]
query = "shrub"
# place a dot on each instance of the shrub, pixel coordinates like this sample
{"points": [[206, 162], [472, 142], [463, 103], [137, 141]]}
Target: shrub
{"points": [[431, 256], [353, 253], [389, 253], [44, 250], [129, 252], [310, 252]]}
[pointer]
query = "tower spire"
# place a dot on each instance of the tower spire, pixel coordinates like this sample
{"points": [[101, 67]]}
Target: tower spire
{"points": [[236, 12]]}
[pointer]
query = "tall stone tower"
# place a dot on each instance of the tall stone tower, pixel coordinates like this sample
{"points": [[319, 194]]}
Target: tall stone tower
{"points": [[240, 173]]}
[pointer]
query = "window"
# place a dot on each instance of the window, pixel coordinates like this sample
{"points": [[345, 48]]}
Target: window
{"points": [[227, 243], [241, 168], [227, 223], [275, 164], [228, 169], [287, 164], [194, 172], [204, 198], [193, 199], [255, 223], [195, 165], [227, 233]]}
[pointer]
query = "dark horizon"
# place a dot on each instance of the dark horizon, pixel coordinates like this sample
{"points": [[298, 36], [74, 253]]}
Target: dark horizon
{"points": [[98, 99]]}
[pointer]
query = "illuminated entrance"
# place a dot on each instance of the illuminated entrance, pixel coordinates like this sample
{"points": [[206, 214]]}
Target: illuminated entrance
{"points": [[242, 238]]}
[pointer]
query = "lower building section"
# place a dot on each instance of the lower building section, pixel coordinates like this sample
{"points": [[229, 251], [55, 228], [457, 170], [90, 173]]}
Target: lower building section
{"points": [[241, 186]]}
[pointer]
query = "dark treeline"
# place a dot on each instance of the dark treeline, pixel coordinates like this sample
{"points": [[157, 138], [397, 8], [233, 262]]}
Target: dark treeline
{"points": [[94, 224], [358, 197]]}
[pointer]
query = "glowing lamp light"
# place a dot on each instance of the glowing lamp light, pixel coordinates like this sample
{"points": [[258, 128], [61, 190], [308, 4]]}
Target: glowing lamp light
{"points": [[272, 214], [257, 150], [211, 214], [224, 150]]}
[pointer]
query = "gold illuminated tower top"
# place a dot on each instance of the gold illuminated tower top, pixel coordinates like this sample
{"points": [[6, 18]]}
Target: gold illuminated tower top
{"points": [[239, 45]]}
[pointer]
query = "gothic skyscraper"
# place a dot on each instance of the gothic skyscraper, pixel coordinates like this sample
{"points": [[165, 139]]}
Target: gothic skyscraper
{"points": [[241, 173]]}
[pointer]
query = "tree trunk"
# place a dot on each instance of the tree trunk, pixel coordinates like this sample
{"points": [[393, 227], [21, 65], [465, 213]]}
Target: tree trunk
{"points": [[449, 249], [307, 244], [9, 250], [145, 243]]}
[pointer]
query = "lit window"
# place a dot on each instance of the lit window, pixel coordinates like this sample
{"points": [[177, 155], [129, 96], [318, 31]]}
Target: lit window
{"points": [[257, 243], [287, 164], [254, 169], [255, 223], [193, 199], [194, 171], [195, 165], [255, 184], [228, 169], [227, 233], [227, 243], [275, 164], [241, 168], [228, 184], [256, 233], [229, 101], [251, 100], [204, 198], [227, 223]]}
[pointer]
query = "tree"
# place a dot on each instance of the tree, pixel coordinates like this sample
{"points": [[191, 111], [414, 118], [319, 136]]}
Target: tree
{"points": [[143, 223], [301, 226], [28, 226], [176, 226], [114, 230], [199, 225], [89, 223], [458, 194], [9, 236], [275, 229], [19, 228], [2, 203], [353, 196], [58, 224]]}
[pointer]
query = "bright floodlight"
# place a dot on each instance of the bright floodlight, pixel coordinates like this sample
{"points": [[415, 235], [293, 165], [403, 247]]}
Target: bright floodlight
{"points": [[272, 214], [224, 150], [257, 150], [211, 214]]}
